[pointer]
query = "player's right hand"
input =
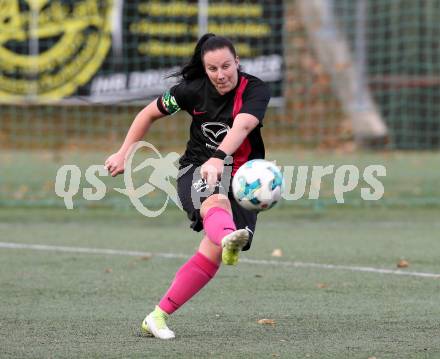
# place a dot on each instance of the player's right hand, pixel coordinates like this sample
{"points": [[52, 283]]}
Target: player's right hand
{"points": [[212, 171], [115, 164]]}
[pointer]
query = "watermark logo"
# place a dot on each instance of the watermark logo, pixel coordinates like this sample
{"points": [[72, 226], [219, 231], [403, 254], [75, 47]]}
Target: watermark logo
{"points": [[164, 173], [346, 178], [164, 170]]}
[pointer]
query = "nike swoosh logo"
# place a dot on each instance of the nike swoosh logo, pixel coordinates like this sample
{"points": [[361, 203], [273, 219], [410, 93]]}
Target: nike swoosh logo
{"points": [[197, 113]]}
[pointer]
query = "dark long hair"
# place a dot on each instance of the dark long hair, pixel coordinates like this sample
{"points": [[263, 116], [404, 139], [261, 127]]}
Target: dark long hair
{"points": [[194, 69]]}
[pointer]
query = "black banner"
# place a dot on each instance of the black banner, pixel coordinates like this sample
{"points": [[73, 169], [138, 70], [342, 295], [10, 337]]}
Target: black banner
{"points": [[109, 51]]}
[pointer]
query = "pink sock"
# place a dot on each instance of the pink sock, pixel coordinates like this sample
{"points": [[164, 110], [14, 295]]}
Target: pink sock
{"points": [[218, 222], [189, 279]]}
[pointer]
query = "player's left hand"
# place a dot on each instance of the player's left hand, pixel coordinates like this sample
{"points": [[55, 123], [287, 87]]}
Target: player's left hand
{"points": [[212, 171]]}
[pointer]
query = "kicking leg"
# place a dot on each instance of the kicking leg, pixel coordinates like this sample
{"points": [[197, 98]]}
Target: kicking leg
{"points": [[220, 228]]}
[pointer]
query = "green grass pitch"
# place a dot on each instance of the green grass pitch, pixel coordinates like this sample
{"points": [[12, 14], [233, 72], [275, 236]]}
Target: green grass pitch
{"points": [[80, 305]]}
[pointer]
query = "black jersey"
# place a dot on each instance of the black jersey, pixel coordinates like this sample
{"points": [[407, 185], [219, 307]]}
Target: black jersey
{"points": [[213, 115]]}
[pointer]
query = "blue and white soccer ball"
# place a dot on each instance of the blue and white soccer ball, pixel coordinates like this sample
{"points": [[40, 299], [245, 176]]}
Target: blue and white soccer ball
{"points": [[258, 185]]}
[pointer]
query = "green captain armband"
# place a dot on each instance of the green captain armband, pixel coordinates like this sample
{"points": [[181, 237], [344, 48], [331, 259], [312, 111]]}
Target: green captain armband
{"points": [[169, 103]]}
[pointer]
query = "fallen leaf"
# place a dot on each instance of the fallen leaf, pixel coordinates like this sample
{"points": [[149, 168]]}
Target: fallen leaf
{"points": [[266, 321], [277, 253], [322, 285], [403, 263]]}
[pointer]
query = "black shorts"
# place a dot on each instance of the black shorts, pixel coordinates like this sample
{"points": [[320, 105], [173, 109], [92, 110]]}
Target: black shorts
{"points": [[193, 190]]}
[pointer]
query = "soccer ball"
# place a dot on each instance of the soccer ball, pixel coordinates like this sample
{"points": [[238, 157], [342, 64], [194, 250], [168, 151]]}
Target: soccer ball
{"points": [[257, 185]]}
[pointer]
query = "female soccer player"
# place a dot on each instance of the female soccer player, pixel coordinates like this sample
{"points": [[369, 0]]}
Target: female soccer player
{"points": [[227, 108]]}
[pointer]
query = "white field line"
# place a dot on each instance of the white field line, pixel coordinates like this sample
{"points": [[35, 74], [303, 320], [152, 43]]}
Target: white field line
{"points": [[41, 247]]}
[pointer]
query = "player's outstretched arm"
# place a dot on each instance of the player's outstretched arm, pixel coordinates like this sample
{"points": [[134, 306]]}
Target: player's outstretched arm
{"points": [[140, 126]]}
